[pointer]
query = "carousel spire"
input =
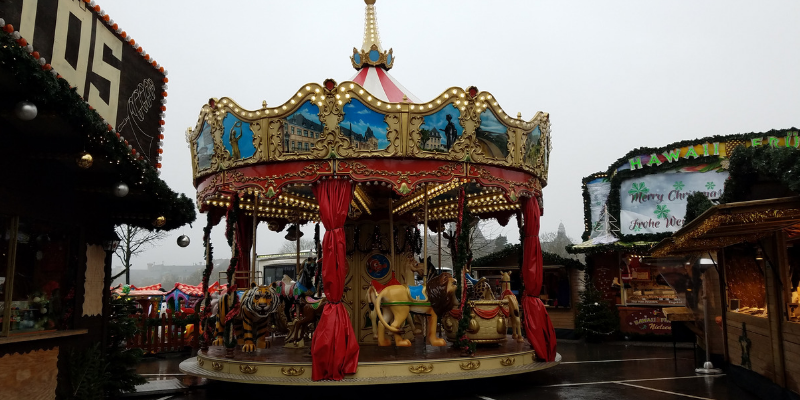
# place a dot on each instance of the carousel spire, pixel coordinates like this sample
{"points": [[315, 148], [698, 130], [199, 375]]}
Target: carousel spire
{"points": [[371, 53]]}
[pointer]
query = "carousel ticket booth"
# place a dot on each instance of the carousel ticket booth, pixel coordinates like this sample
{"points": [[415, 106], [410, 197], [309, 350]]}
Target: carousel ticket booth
{"points": [[379, 169]]}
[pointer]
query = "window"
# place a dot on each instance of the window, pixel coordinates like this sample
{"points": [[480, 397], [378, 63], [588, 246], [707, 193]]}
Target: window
{"points": [[305, 132], [292, 144], [35, 275], [292, 130], [306, 146]]}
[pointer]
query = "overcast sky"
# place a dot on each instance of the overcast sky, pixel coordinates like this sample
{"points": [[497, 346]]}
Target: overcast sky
{"points": [[614, 75]]}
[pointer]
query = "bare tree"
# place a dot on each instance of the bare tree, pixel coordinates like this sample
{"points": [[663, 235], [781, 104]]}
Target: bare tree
{"points": [[133, 241], [485, 236], [291, 247]]}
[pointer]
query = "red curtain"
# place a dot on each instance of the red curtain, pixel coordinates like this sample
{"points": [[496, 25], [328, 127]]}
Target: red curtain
{"points": [[538, 327], [334, 346]]}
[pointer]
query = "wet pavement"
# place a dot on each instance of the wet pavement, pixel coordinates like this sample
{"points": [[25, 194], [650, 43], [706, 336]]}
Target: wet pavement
{"points": [[620, 370]]}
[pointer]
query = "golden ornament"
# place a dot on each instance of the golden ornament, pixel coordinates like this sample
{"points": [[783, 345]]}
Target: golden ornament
{"points": [[159, 222], [84, 160]]}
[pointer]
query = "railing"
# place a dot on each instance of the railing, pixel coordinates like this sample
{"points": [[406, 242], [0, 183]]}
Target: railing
{"points": [[169, 332]]}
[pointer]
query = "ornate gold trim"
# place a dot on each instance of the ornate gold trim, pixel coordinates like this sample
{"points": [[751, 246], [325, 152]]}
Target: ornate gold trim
{"points": [[421, 368], [248, 369], [216, 366], [508, 361], [292, 371], [470, 365], [200, 361]]}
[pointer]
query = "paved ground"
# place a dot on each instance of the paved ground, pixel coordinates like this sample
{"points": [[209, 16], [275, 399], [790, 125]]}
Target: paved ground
{"points": [[589, 371]]}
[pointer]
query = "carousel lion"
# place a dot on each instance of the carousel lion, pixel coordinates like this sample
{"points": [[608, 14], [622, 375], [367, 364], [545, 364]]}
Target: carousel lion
{"points": [[433, 299]]}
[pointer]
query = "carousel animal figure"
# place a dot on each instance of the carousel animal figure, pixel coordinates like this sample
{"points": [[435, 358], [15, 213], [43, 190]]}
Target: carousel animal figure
{"points": [[374, 289], [253, 311], [433, 299], [310, 310], [478, 289], [513, 305], [290, 294]]}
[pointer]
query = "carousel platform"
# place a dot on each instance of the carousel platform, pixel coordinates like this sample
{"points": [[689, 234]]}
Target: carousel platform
{"points": [[376, 365]]}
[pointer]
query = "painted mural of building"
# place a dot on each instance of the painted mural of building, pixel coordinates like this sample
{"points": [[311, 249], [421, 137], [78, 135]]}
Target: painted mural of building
{"points": [[300, 134], [367, 141]]}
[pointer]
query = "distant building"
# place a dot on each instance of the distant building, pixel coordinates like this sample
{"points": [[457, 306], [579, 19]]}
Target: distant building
{"points": [[435, 140], [168, 275]]}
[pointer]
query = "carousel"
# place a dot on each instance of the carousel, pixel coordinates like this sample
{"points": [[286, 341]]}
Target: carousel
{"points": [[379, 170]]}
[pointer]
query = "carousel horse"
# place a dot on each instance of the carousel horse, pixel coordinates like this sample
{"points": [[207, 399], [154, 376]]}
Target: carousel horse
{"points": [[309, 311], [433, 299], [513, 306], [290, 294]]}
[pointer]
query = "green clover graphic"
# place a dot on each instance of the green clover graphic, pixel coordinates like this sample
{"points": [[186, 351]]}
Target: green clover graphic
{"points": [[678, 185], [661, 212], [639, 188]]}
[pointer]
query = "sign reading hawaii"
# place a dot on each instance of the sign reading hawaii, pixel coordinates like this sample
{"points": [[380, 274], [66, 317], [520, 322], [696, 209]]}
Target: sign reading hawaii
{"points": [[656, 203]]}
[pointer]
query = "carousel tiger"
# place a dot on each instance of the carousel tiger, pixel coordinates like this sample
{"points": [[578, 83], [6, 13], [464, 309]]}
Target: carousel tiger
{"points": [[252, 320]]}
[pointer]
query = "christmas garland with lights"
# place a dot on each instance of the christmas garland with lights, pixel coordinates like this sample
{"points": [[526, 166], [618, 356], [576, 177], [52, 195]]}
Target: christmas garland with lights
{"points": [[626, 247], [51, 92]]}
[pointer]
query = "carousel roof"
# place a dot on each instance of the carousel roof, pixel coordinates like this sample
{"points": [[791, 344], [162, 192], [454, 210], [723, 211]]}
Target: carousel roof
{"points": [[399, 151]]}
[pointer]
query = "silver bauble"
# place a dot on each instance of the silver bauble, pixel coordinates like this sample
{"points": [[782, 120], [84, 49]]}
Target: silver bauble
{"points": [[121, 189], [25, 110], [183, 240]]}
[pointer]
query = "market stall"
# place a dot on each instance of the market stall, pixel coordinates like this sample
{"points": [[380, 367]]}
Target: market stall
{"points": [[78, 165]]}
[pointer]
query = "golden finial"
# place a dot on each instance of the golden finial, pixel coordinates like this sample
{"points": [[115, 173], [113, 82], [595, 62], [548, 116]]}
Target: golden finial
{"points": [[519, 115], [371, 52]]}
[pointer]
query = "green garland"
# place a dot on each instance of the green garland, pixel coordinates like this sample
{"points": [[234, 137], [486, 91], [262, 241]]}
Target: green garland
{"points": [[749, 165], [516, 249], [587, 204], [53, 94]]}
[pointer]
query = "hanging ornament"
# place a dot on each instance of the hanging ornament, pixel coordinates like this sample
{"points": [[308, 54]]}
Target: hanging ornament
{"points": [[25, 110], [84, 160], [183, 240], [121, 189], [160, 221]]}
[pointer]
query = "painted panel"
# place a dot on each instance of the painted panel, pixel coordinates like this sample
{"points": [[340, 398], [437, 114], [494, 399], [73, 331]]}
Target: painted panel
{"points": [[365, 128], [302, 129], [441, 130], [492, 135], [237, 138], [598, 197], [533, 147], [205, 147]]}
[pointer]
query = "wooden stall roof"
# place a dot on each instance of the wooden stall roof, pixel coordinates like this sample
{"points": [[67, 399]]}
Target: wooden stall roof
{"points": [[728, 224]]}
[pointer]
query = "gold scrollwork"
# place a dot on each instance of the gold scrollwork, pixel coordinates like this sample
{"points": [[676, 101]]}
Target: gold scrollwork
{"points": [[217, 366], [470, 365], [292, 371], [508, 361], [248, 369], [200, 361], [421, 368]]}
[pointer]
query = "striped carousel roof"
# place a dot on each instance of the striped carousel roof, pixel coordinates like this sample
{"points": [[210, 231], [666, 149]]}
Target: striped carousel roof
{"points": [[373, 64], [377, 81]]}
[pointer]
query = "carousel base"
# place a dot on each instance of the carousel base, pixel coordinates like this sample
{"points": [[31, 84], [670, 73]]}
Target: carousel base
{"points": [[279, 365]]}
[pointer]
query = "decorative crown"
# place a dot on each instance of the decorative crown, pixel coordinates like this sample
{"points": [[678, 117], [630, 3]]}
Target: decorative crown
{"points": [[371, 53]]}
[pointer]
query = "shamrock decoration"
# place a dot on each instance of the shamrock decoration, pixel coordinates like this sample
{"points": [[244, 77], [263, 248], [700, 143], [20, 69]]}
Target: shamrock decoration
{"points": [[639, 188], [678, 185], [638, 228], [661, 212], [710, 185]]}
